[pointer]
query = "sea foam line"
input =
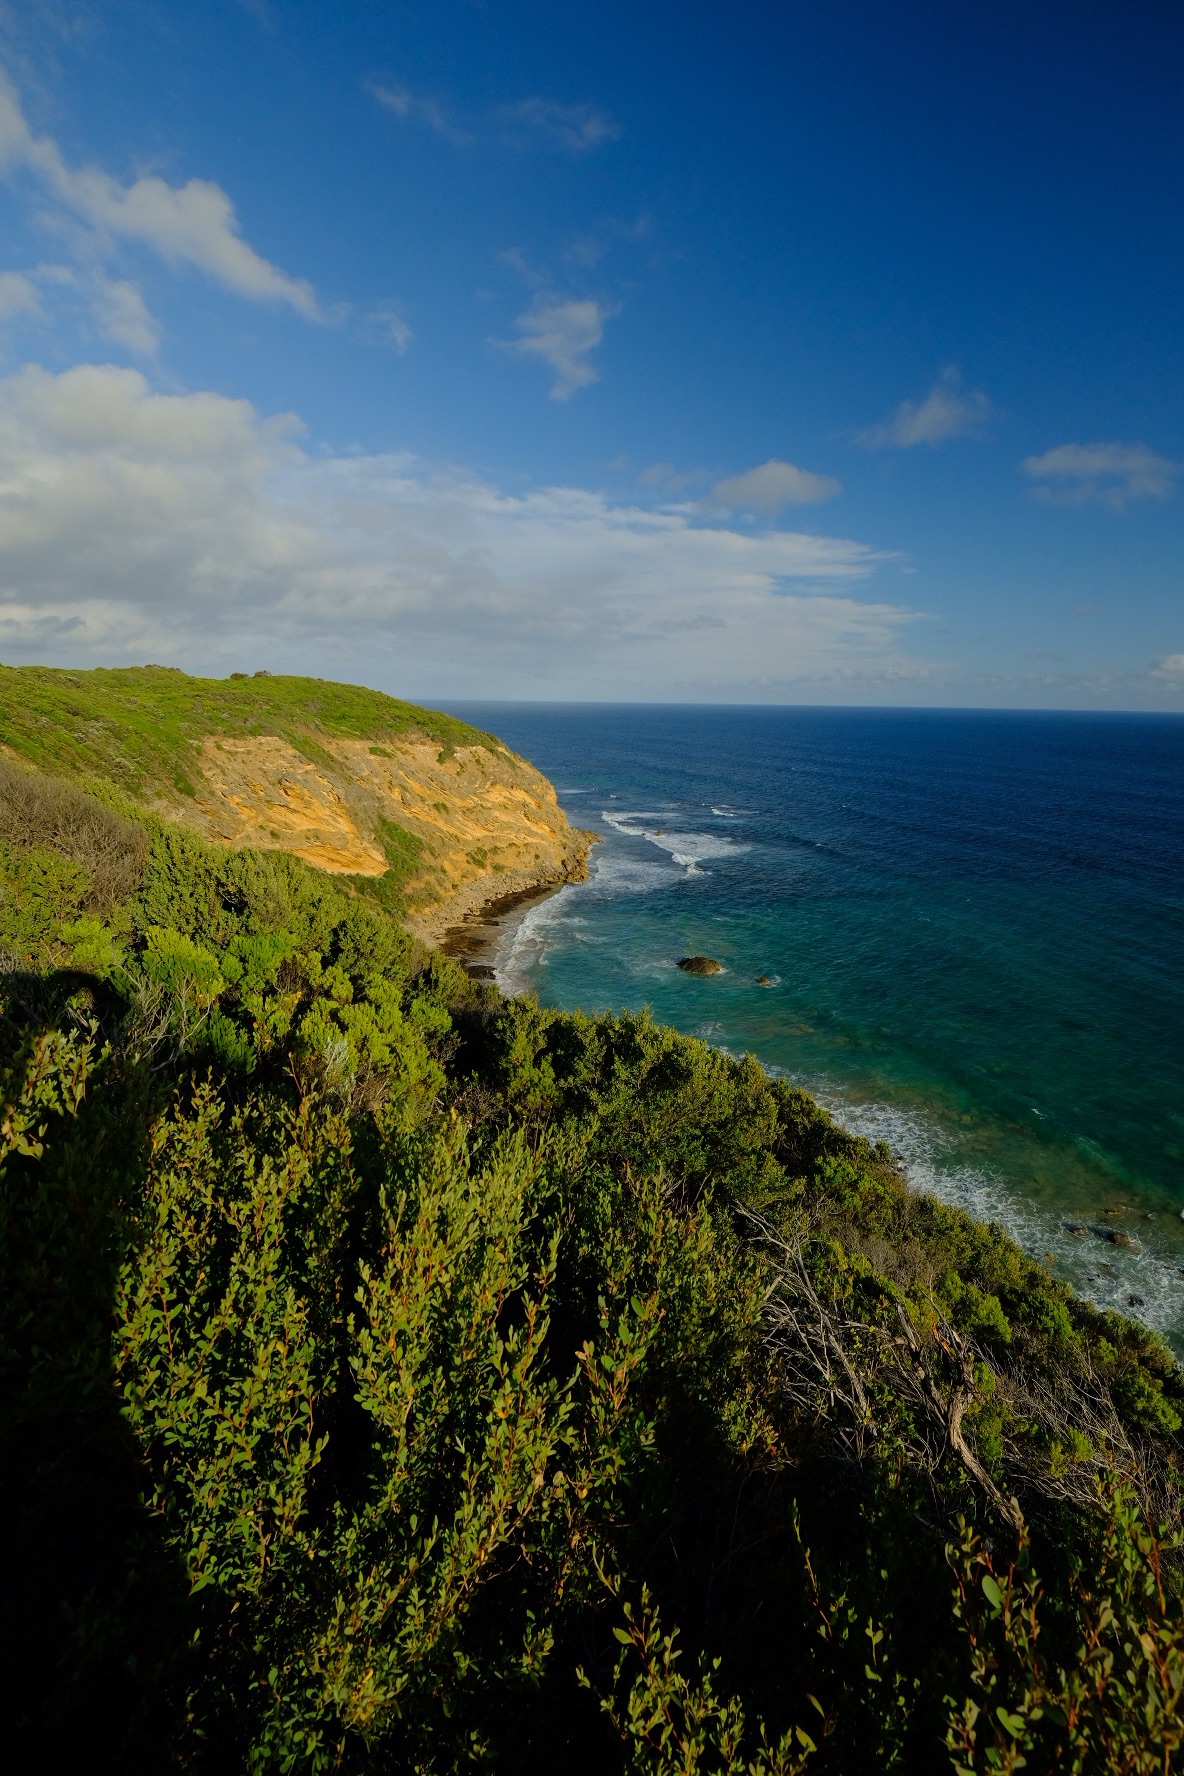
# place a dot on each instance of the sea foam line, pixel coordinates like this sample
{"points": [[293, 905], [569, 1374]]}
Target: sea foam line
{"points": [[1139, 1282]]}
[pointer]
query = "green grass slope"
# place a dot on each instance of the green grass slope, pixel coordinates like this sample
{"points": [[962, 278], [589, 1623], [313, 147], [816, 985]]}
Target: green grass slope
{"points": [[138, 727]]}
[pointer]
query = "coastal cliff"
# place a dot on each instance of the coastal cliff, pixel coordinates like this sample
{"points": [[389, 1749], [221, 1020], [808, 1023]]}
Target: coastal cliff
{"points": [[434, 816], [457, 828]]}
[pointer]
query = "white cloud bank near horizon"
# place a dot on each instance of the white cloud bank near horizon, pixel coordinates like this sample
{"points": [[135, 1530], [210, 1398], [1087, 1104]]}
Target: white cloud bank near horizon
{"points": [[189, 529]]}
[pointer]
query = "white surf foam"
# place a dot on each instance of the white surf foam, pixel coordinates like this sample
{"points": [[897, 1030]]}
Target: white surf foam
{"points": [[614, 873], [687, 849], [528, 948]]}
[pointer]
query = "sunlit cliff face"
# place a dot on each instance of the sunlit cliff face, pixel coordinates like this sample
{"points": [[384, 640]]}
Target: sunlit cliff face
{"points": [[486, 821]]}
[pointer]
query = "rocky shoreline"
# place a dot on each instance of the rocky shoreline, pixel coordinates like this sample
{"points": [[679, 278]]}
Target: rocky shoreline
{"points": [[482, 939], [474, 927]]}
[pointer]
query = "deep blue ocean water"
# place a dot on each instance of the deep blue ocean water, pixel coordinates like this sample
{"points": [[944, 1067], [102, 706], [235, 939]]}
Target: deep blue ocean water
{"points": [[972, 926]]}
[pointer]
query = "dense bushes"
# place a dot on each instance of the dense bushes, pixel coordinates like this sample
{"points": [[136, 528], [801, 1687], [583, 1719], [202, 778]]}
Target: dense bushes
{"points": [[397, 1378]]}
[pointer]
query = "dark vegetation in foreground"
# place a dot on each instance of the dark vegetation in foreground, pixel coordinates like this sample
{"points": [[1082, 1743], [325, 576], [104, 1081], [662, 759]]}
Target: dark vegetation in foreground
{"points": [[400, 1379]]}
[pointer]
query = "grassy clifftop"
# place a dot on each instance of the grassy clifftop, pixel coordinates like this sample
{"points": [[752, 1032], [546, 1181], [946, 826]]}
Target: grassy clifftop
{"points": [[432, 815], [141, 727]]}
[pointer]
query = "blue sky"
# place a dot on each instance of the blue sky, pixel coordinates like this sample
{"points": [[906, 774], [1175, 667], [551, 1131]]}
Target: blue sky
{"points": [[737, 353]]}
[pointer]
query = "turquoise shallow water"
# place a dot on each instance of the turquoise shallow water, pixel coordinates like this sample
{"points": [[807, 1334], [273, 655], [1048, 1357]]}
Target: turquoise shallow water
{"points": [[972, 925]]}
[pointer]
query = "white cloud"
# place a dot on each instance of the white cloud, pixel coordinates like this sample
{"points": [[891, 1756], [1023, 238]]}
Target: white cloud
{"points": [[773, 486], [562, 333], [187, 528], [944, 413], [18, 295], [576, 128], [192, 224], [1171, 666], [1108, 474]]}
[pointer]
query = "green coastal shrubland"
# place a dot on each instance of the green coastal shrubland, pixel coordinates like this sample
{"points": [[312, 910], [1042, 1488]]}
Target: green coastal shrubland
{"points": [[396, 1378]]}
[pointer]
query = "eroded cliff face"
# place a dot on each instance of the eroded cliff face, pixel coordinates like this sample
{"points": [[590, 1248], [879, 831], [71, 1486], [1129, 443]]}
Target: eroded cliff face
{"points": [[482, 823]]}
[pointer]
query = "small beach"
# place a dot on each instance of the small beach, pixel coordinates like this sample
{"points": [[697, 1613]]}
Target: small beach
{"points": [[484, 938]]}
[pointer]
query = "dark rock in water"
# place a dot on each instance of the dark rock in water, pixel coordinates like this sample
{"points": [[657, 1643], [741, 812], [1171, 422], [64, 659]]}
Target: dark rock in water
{"points": [[1121, 1239], [762, 980], [1075, 1227], [699, 965], [1135, 1301]]}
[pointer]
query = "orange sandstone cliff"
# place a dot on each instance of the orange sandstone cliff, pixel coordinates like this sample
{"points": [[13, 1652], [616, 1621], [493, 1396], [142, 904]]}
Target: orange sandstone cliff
{"points": [[482, 822]]}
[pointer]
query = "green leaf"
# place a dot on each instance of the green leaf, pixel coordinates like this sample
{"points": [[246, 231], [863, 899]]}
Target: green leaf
{"points": [[992, 1592]]}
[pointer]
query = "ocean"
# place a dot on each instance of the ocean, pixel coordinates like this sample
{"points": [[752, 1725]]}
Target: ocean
{"points": [[962, 931]]}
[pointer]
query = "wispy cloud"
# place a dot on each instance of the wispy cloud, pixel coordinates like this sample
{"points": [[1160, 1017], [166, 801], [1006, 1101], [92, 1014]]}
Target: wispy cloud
{"points": [[1171, 667], [188, 528], [668, 479], [1102, 474], [193, 224], [577, 129], [568, 129], [562, 332], [771, 487], [115, 305], [18, 295], [417, 108], [390, 326], [946, 412], [124, 315]]}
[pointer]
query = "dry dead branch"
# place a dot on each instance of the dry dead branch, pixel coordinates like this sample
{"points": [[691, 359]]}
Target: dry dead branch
{"points": [[852, 1377]]}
